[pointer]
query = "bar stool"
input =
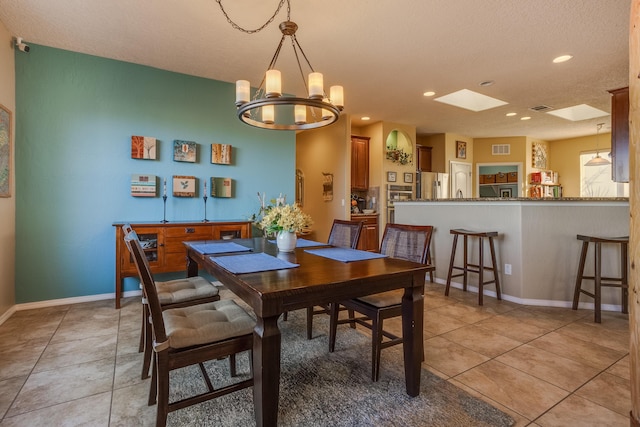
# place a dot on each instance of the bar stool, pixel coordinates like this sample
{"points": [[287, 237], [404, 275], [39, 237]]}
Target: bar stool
{"points": [[621, 282], [474, 268]]}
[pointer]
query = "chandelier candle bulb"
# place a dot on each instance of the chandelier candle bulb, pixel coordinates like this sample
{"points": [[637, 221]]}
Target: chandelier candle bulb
{"points": [[336, 93], [268, 114], [242, 92], [273, 84], [316, 90], [300, 114]]}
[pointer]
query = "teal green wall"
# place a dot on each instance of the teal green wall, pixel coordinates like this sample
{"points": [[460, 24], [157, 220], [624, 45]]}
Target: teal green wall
{"points": [[75, 115]]}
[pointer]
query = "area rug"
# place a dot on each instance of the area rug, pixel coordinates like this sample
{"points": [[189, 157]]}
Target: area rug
{"points": [[318, 388]]}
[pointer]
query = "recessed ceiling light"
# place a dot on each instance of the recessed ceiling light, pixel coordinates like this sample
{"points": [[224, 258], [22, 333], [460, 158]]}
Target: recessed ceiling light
{"points": [[562, 58], [487, 83], [470, 100], [365, 118], [525, 118], [429, 93], [510, 114]]}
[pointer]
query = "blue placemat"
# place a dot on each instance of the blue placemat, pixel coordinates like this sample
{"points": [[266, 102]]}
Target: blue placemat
{"points": [[219, 248], [252, 263], [304, 243], [345, 254]]}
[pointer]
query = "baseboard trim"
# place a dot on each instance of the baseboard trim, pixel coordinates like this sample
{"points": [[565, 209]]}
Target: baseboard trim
{"points": [[533, 302], [7, 314], [72, 300]]}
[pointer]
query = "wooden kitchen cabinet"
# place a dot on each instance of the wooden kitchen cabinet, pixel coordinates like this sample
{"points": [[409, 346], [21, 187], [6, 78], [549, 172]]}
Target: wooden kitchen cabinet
{"points": [[359, 163], [162, 244], [369, 235], [620, 134], [424, 158]]}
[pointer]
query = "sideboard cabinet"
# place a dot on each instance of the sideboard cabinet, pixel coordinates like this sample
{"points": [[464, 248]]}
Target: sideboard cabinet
{"points": [[162, 244]]}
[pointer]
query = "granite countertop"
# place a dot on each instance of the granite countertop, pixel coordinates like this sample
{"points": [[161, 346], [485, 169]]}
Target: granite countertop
{"points": [[524, 199]]}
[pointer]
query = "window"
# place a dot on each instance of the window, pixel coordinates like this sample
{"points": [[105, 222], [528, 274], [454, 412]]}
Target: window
{"points": [[595, 181]]}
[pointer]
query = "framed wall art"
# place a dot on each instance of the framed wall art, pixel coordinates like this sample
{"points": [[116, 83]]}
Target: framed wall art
{"points": [[221, 187], [5, 151], [505, 192], [143, 185], [221, 154], [392, 176], [461, 150], [184, 151], [327, 186], [408, 177], [184, 186], [538, 155], [143, 147]]}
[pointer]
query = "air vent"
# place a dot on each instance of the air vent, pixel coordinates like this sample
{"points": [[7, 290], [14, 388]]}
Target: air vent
{"points": [[501, 149], [541, 108]]}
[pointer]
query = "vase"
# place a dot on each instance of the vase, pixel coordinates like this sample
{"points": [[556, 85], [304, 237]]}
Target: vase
{"points": [[286, 241]]}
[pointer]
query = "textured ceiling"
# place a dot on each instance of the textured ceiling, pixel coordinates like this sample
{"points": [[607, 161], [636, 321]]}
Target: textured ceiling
{"points": [[384, 53]]}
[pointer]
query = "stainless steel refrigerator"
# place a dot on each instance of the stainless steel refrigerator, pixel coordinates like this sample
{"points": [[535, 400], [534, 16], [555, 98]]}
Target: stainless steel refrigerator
{"points": [[433, 185]]}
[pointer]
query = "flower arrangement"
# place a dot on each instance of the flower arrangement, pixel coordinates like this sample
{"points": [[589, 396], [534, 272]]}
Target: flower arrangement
{"points": [[278, 216], [285, 218], [398, 155]]}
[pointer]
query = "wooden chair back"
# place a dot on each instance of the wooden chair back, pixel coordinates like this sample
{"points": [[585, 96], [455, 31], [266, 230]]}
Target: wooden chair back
{"points": [[148, 285], [410, 242], [345, 234]]}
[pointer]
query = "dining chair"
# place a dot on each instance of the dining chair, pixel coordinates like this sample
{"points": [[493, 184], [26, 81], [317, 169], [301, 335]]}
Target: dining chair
{"points": [[344, 234], [188, 336], [171, 294], [408, 242]]}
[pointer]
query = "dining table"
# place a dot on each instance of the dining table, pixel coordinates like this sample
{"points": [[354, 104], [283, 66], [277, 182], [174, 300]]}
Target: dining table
{"points": [[272, 282]]}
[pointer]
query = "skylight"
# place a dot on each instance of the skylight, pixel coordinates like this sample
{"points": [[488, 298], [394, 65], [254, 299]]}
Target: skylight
{"points": [[578, 112], [470, 100]]}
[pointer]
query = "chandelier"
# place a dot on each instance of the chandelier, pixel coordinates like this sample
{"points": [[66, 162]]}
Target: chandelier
{"points": [[269, 108], [597, 160]]}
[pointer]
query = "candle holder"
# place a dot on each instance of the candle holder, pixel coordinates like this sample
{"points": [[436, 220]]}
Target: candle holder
{"points": [[205, 208], [164, 215]]}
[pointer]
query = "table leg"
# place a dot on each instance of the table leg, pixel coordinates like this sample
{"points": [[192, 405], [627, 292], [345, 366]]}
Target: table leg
{"points": [[192, 267], [412, 333], [266, 370]]}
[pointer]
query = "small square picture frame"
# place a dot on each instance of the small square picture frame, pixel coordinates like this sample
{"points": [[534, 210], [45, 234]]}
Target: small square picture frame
{"points": [[392, 176], [461, 150], [505, 193], [408, 177]]}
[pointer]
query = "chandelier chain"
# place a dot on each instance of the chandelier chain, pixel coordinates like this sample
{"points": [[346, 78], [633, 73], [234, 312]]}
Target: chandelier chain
{"points": [[244, 30]]}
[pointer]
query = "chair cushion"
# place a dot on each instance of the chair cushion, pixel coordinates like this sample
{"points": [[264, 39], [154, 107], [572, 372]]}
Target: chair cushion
{"points": [[384, 299], [187, 289], [206, 323]]}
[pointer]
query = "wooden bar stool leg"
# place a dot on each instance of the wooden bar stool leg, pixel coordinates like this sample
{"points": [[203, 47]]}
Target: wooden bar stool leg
{"points": [[494, 262], [598, 280], [453, 257], [624, 277], [576, 292], [466, 263], [480, 270]]}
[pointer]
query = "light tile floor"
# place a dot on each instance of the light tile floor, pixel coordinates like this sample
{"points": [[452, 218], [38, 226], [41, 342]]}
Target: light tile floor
{"points": [[79, 365]]}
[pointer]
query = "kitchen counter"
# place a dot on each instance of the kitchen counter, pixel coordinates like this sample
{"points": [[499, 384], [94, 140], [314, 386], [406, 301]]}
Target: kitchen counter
{"points": [[527, 199], [537, 238]]}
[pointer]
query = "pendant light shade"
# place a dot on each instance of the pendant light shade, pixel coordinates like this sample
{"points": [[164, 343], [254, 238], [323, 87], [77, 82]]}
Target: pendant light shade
{"points": [[598, 160]]}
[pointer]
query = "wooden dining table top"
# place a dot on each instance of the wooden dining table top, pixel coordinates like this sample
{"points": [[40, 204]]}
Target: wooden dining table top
{"points": [[315, 280]]}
